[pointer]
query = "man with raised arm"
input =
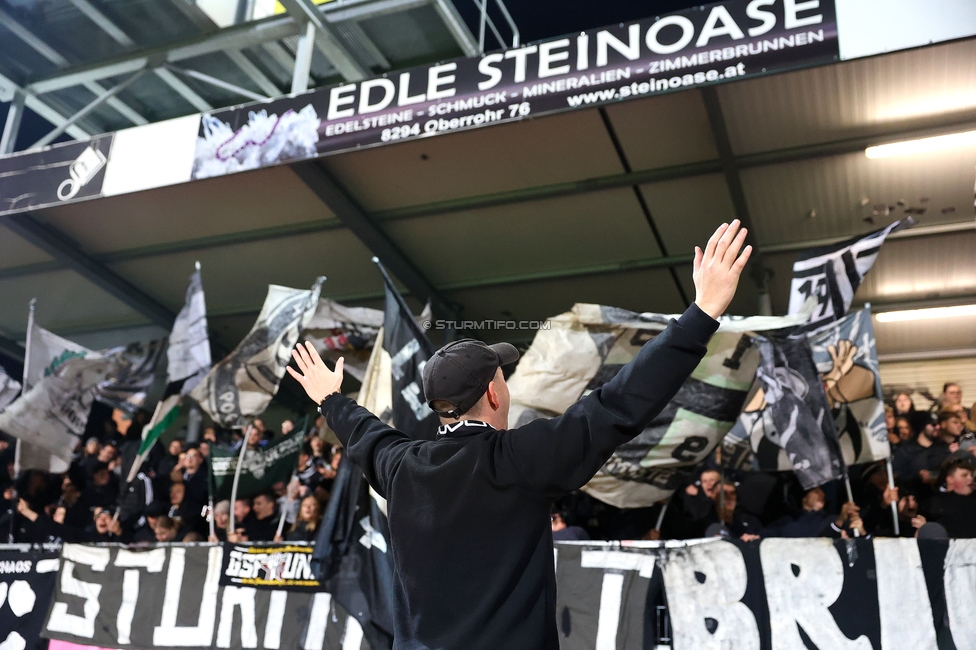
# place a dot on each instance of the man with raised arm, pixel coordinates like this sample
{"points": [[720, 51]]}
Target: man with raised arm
{"points": [[470, 511]]}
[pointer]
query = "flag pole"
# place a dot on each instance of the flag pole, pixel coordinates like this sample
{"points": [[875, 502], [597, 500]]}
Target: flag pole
{"points": [[894, 504], [210, 506], [27, 345], [660, 516], [24, 386], [237, 474], [850, 496], [281, 515]]}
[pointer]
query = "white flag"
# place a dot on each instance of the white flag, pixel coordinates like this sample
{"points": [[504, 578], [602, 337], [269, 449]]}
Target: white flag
{"points": [[9, 388], [46, 353], [53, 415], [189, 343], [243, 384]]}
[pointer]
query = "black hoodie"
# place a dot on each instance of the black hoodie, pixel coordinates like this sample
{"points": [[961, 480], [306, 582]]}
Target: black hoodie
{"points": [[469, 511]]}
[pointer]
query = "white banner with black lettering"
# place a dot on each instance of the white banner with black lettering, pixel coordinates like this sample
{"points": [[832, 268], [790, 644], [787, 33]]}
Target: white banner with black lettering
{"points": [[171, 597], [787, 594]]}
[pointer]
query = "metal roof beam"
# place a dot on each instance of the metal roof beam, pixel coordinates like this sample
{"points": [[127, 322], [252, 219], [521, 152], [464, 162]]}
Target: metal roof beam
{"points": [[218, 83], [184, 91], [455, 24], [327, 41], [336, 199], [95, 103], [645, 209], [242, 62], [250, 34], [67, 251], [11, 128], [236, 37], [733, 182], [54, 57], [106, 24], [43, 109], [254, 73]]}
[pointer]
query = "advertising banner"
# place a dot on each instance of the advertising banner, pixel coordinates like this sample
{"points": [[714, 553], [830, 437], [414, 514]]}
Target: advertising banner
{"points": [[705, 44]]}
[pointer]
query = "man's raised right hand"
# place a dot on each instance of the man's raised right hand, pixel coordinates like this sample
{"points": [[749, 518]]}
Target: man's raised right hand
{"points": [[718, 267]]}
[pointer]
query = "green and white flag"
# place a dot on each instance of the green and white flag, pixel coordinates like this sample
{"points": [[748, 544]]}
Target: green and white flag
{"points": [[46, 352], [262, 468]]}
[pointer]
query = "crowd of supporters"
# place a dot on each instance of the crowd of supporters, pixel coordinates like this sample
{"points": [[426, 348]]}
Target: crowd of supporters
{"points": [[169, 500], [933, 458]]}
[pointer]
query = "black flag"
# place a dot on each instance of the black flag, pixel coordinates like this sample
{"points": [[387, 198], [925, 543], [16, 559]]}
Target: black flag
{"points": [[352, 556], [409, 351]]}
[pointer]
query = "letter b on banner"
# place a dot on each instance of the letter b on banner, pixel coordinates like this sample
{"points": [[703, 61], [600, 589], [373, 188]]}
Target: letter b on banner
{"points": [[705, 585]]}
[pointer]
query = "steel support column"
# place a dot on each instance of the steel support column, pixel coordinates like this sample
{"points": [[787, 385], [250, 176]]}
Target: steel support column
{"points": [[326, 39], [303, 60], [12, 127]]}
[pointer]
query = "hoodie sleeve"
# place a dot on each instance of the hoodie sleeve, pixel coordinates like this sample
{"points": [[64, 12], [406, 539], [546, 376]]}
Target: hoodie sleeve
{"points": [[376, 447]]}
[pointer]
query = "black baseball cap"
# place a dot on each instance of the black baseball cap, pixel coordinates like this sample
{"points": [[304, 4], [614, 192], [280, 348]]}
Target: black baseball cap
{"points": [[459, 373]]}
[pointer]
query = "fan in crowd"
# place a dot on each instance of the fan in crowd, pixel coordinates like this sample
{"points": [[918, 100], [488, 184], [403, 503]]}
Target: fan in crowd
{"points": [[933, 456]]}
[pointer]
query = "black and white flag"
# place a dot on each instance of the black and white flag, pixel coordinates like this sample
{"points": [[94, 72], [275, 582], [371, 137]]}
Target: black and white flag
{"points": [[352, 556], [582, 349], [136, 366], [787, 422], [847, 359], [189, 343], [409, 351], [243, 384], [832, 274]]}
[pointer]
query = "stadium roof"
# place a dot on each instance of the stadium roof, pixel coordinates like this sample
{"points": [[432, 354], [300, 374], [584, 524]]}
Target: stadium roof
{"points": [[515, 221]]}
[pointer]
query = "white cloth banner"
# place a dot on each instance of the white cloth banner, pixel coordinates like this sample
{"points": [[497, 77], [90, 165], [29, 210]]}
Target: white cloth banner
{"points": [[189, 343], [53, 415], [9, 389], [243, 384]]}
